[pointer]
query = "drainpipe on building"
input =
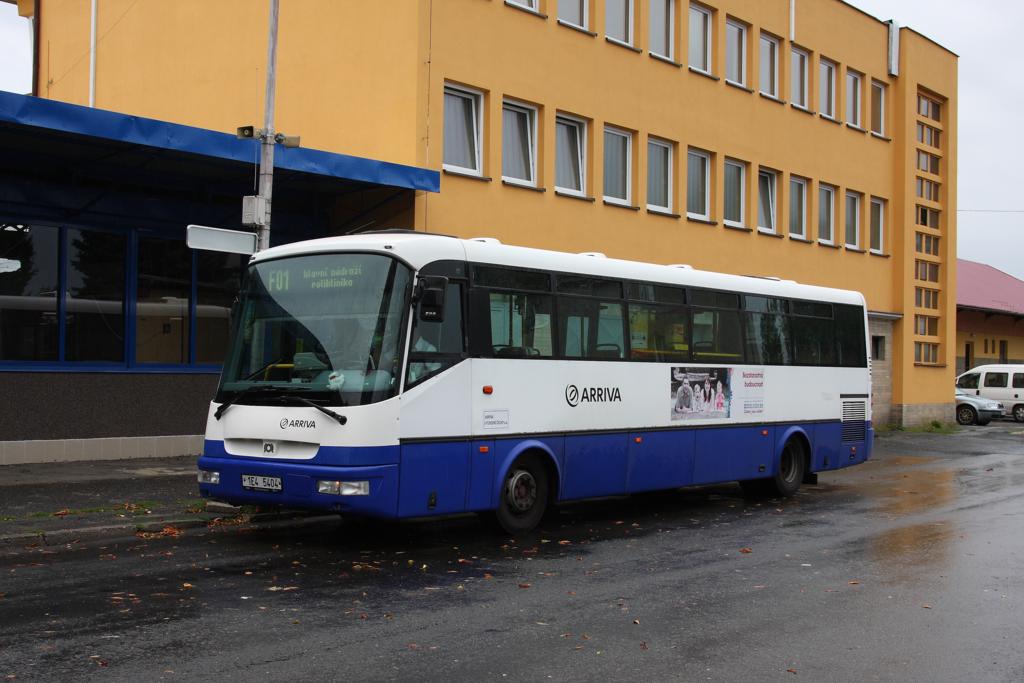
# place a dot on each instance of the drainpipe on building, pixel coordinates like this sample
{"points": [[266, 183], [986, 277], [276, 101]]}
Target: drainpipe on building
{"points": [[92, 55]]}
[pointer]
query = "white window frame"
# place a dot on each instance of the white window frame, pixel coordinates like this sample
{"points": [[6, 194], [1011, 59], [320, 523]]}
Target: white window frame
{"points": [[530, 5], [804, 77], [831, 67], [882, 88], [742, 189], [802, 182], [854, 84], [743, 51], [670, 28], [584, 6], [531, 112], [630, 26], [881, 225], [846, 220], [629, 166], [773, 201], [708, 32], [581, 127], [659, 142], [831, 190], [773, 44], [477, 98], [706, 216]]}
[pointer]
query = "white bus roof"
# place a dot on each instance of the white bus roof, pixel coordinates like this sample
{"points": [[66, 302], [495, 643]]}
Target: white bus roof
{"points": [[418, 249]]}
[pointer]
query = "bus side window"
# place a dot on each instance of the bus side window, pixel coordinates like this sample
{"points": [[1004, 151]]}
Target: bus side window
{"points": [[659, 333], [591, 328], [520, 325], [768, 339], [716, 335], [437, 346], [850, 336]]}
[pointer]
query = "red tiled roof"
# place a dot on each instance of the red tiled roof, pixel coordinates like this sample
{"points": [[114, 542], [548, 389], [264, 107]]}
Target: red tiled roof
{"points": [[981, 286]]}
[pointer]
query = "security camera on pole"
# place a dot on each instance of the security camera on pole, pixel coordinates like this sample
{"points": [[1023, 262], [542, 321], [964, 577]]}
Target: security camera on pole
{"points": [[256, 209]]}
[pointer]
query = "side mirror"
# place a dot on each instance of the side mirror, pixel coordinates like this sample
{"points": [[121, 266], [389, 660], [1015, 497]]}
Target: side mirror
{"points": [[430, 296]]}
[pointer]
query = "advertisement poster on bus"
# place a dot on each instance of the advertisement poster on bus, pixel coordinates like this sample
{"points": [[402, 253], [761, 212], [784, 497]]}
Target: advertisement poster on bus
{"points": [[701, 393]]}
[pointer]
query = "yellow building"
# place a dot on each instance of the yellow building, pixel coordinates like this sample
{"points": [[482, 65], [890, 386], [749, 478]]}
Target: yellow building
{"points": [[802, 139]]}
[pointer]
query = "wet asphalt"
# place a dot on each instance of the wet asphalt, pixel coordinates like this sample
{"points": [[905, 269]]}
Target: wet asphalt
{"points": [[906, 568]]}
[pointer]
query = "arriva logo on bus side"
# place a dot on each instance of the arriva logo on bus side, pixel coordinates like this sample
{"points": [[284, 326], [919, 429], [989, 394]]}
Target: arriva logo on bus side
{"points": [[307, 424], [576, 395]]}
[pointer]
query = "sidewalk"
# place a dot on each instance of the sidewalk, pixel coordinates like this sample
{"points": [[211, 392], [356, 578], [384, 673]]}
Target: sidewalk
{"points": [[54, 503]]}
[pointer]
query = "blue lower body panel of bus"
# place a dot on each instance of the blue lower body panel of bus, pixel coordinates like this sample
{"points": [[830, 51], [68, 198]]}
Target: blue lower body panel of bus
{"points": [[452, 476]]}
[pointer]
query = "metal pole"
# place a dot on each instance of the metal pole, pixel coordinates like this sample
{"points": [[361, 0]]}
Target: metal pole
{"points": [[92, 55], [268, 141]]}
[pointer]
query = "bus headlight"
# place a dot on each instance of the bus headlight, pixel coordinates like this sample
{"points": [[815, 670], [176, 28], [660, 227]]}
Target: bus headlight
{"points": [[343, 488], [208, 477]]}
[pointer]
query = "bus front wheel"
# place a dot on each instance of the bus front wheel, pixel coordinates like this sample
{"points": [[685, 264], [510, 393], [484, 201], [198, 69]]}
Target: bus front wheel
{"points": [[788, 475], [524, 495]]}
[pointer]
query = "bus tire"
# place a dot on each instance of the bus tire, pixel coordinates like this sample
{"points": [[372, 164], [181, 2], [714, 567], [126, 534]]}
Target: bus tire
{"points": [[789, 474], [524, 495]]}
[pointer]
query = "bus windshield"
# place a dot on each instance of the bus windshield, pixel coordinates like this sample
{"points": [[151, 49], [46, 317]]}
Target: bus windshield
{"points": [[326, 327]]}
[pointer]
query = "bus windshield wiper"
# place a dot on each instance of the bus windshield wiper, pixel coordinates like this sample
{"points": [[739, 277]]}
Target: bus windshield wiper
{"points": [[305, 401], [249, 391]]}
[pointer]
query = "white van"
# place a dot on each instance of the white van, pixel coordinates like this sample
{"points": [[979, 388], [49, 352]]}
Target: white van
{"points": [[1003, 383]]}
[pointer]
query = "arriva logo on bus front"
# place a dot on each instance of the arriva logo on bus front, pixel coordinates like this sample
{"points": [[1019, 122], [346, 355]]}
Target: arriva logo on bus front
{"points": [[576, 395]]}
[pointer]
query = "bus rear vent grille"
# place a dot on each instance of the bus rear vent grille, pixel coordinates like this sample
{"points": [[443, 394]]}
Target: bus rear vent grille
{"points": [[855, 417]]}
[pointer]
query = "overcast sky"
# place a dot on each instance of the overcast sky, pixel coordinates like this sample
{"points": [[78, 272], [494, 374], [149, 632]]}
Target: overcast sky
{"points": [[991, 98]]}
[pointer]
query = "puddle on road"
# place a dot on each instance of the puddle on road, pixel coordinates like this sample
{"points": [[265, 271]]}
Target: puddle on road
{"points": [[910, 552]]}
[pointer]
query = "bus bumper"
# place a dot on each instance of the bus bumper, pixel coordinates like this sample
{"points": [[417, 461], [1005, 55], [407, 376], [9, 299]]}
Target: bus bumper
{"points": [[298, 485]]}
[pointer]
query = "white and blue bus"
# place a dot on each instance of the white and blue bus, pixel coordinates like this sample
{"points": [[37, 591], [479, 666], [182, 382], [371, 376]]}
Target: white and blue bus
{"points": [[401, 374]]}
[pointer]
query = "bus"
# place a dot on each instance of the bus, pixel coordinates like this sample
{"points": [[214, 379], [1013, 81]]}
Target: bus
{"points": [[399, 374]]}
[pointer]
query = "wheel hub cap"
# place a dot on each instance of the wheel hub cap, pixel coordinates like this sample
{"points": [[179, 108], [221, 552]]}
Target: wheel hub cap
{"points": [[521, 491]]}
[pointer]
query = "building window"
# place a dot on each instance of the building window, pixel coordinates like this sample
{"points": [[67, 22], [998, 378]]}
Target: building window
{"points": [[853, 82], [94, 304], [573, 12], [929, 163], [462, 126], [926, 244], [878, 107], [877, 225], [29, 284], [926, 325], [877, 348], [662, 23], [519, 144], [926, 298], [928, 135], [618, 165], [852, 220], [766, 182], [926, 271], [798, 79], [929, 218], [928, 189], [161, 313], [769, 81], [526, 4], [618, 21], [827, 88], [826, 213], [736, 52], [698, 166], [798, 207], [570, 159], [735, 192], [659, 175], [700, 38], [928, 108], [926, 353]]}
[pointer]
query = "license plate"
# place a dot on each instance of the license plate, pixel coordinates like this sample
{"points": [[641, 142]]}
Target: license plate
{"points": [[260, 482]]}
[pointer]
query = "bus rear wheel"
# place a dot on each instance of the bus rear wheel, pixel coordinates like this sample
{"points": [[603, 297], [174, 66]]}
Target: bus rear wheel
{"points": [[788, 476], [524, 496]]}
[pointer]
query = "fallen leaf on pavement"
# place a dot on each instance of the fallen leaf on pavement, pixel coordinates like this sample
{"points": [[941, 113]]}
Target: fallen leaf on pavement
{"points": [[792, 671], [926, 606], [186, 585], [855, 582], [524, 585], [643, 644], [636, 621], [283, 588], [62, 513], [746, 551], [565, 543]]}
